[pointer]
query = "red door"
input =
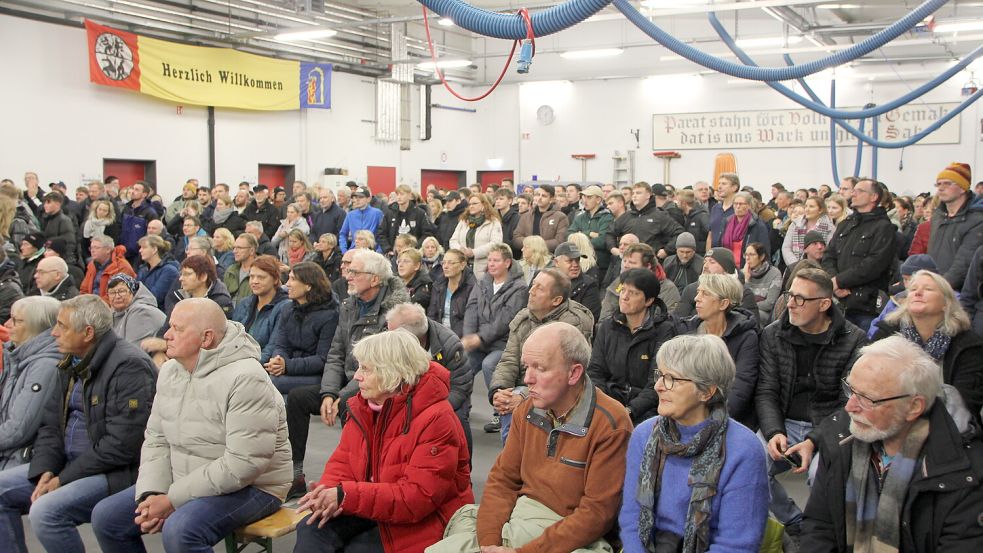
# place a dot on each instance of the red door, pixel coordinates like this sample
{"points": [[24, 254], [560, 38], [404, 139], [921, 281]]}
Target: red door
{"points": [[444, 180], [494, 177], [274, 175], [381, 180], [127, 170]]}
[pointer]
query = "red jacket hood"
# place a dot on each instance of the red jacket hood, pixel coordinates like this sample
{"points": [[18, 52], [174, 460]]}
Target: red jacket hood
{"points": [[432, 387]]}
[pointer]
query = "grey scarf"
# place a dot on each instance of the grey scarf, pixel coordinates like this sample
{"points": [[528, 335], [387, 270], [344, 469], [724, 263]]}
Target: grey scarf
{"points": [[222, 215]]}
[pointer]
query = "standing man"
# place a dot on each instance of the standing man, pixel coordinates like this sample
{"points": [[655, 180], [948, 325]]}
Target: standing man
{"points": [[406, 218], [650, 224], [544, 219], [727, 186], [57, 225], [216, 455], [957, 224], [509, 213], [136, 215], [88, 446], [330, 218], [362, 217], [847, 185], [594, 221], [704, 195], [32, 193], [261, 209], [861, 254]]}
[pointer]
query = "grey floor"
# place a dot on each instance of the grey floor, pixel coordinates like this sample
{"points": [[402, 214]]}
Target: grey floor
{"points": [[323, 440]]}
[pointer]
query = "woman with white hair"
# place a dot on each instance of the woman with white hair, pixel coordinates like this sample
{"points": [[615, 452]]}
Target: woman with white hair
{"points": [[718, 312], [932, 318], [29, 377], [402, 467], [695, 479]]}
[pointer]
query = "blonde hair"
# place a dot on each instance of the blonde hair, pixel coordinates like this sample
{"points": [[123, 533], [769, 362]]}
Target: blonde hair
{"points": [[583, 244], [226, 235], [844, 208], [396, 357], [367, 236], [724, 287], [954, 318], [538, 255]]}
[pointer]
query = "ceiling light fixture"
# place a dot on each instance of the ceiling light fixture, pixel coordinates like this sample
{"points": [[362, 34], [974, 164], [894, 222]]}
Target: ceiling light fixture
{"points": [[769, 41], [591, 54], [291, 36], [446, 22], [959, 26], [443, 64]]}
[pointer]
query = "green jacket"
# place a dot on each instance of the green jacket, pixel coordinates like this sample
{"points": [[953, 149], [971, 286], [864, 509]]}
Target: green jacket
{"points": [[599, 222], [238, 289]]}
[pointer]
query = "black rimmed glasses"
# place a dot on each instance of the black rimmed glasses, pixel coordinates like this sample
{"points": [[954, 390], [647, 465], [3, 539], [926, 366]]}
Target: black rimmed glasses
{"points": [[798, 300], [669, 380], [863, 401]]}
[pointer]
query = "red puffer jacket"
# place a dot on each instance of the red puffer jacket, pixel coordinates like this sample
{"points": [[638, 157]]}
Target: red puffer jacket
{"points": [[407, 467]]}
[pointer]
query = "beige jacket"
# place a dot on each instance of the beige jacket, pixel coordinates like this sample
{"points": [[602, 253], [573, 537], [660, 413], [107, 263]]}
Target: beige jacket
{"points": [[217, 429], [487, 234]]}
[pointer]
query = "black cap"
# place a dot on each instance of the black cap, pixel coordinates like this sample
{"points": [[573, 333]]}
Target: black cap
{"points": [[658, 189], [35, 239], [352, 184], [58, 246], [260, 188], [59, 185], [812, 237], [362, 191], [452, 195]]}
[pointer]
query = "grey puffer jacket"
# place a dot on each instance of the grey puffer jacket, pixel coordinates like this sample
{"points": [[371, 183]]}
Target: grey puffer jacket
{"points": [[141, 319], [217, 429], [489, 313], [28, 380], [339, 368]]}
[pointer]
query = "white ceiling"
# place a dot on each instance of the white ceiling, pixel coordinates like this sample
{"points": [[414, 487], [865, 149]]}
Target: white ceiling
{"points": [[362, 44]]}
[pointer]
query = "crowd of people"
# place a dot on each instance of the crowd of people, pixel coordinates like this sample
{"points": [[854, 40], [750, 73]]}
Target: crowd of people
{"points": [[655, 358]]}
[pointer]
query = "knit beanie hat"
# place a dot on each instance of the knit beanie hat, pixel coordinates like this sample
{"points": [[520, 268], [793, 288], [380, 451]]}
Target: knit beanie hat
{"points": [[958, 173], [812, 237], [35, 239], [686, 240], [918, 262], [58, 246], [724, 257]]}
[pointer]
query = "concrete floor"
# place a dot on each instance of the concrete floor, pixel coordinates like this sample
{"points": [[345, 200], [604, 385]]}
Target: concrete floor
{"points": [[323, 440]]}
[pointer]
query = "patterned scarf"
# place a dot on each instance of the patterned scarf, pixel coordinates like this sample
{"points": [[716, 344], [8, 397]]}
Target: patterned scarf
{"points": [[760, 270], [708, 453], [872, 518], [936, 346], [824, 226], [474, 221]]}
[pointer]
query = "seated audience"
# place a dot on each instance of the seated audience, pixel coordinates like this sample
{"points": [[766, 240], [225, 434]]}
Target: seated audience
{"points": [[328, 256], [717, 261], [135, 312], [223, 244], [909, 267], [31, 252], [216, 455], [10, 288], [29, 378], [583, 287], [695, 478], [159, 270], [639, 256], [718, 313], [101, 220], [451, 290], [588, 259], [931, 318], [685, 267], [409, 264], [259, 311], [364, 239], [895, 473], [198, 279], [225, 215], [815, 220], [763, 279], [108, 260], [433, 256], [236, 277], [88, 444], [535, 257], [479, 228], [555, 486], [293, 221], [53, 280], [189, 229], [296, 249], [304, 329], [626, 343]]}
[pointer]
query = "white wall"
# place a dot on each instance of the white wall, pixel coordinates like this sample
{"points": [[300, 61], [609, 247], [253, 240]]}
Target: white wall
{"points": [[57, 123]]}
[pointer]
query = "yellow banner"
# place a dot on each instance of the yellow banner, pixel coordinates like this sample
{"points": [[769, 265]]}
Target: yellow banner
{"points": [[217, 77]]}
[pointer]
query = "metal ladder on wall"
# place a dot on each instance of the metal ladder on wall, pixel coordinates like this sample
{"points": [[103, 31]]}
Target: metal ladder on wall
{"points": [[624, 168]]}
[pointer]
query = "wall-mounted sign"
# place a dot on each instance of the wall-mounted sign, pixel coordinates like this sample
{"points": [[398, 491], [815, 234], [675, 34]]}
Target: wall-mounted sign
{"points": [[792, 128]]}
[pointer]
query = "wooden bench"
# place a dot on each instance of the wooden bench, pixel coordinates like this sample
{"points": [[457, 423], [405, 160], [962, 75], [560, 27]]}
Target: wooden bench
{"points": [[263, 531]]}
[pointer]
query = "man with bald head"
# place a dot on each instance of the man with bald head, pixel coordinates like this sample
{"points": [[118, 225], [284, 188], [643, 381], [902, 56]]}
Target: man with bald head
{"points": [[52, 279], [215, 456]]}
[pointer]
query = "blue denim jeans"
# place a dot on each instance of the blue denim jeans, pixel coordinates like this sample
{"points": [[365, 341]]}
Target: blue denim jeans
{"points": [[782, 506], [346, 533], [195, 527], [484, 363], [285, 383], [54, 516]]}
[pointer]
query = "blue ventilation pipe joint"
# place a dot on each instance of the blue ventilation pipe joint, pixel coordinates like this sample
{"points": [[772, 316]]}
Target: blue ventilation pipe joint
{"points": [[525, 56]]}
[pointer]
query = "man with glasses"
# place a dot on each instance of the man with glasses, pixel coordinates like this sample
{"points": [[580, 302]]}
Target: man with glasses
{"points": [[108, 259], [861, 255], [804, 355], [957, 224], [53, 280], [895, 474], [236, 277]]}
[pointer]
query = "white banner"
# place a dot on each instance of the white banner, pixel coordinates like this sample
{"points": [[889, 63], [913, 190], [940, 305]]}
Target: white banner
{"points": [[792, 128]]}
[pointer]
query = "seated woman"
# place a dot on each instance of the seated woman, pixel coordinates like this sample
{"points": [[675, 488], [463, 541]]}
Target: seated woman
{"points": [[159, 270], [450, 292], [298, 249], [535, 257], [718, 298], [135, 313], [409, 264], [222, 243], [764, 280], [294, 221], [102, 220], [328, 255], [29, 378], [365, 239], [304, 330], [226, 216], [692, 441], [416, 473], [931, 317], [433, 256], [259, 311]]}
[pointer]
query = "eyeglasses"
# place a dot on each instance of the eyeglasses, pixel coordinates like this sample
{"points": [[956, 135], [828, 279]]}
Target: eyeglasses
{"points": [[43, 271], [944, 183], [798, 300], [669, 380], [354, 273], [118, 292], [863, 401]]}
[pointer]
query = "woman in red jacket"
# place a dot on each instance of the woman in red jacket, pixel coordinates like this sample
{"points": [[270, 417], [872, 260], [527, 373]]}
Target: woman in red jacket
{"points": [[401, 469]]}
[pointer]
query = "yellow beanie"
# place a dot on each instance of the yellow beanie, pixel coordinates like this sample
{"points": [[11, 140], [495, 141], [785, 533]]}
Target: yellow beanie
{"points": [[958, 173]]}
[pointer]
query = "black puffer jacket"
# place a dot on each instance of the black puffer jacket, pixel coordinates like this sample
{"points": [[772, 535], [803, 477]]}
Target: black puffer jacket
{"points": [[446, 348], [942, 506], [622, 363], [651, 225], [776, 378], [459, 300], [489, 314], [419, 288], [303, 336], [413, 221], [741, 337], [584, 291], [118, 391], [10, 288], [861, 256], [447, 222]]}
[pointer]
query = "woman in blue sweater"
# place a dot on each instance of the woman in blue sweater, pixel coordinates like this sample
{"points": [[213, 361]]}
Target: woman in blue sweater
{"points": [[259, 311], [693, 440], [304, 330]]}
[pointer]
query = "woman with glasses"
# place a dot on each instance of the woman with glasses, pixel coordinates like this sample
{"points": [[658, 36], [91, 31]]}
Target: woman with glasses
{"points": [[695, 479], [450, 292], [763, 279], [743, 228], [260, 310], [135, 312], [816, 219], [480, 226], [29, 377], [931, 317], [718, 312], [418, 283], [304, 330], [294, 221]]}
